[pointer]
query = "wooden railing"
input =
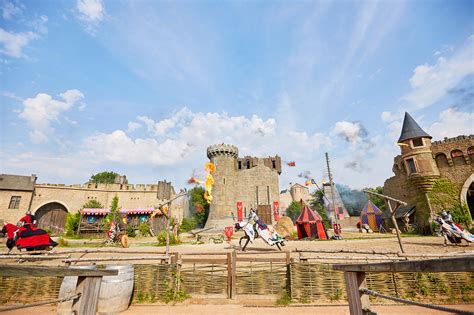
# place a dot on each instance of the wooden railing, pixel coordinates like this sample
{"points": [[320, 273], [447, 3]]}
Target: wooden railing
{"points": [[87, 288], [355, 277]]}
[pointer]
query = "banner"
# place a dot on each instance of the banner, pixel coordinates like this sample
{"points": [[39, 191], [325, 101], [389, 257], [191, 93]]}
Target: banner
{"points": [[239, 211], [276, 211]]}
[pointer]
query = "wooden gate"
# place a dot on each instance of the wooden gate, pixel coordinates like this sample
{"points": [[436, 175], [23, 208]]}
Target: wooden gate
{"points": [[264, 212], [52, 216]]}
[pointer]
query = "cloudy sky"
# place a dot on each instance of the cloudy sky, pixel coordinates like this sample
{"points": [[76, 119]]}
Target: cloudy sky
{"points": [[143, 87]]}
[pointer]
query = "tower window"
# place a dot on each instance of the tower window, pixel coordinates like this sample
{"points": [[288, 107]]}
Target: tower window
{"points": [[240, 165], [14, 202], [411, 165], [273, 164], [417, 142], [248, 164]]}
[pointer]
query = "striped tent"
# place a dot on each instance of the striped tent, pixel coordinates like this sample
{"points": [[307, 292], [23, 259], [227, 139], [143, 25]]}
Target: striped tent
{"points": [[371, 215], [310, 224]]}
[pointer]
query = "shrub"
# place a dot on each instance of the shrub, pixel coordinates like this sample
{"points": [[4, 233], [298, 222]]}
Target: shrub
{"points": [[188, 224], [62, 242], [131, 231], [72, 223], [144, 229], [285, 299], [162, 239], [294, 210]]}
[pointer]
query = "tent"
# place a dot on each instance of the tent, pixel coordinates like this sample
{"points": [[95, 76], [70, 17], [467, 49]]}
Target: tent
{"points": [[310, 224], [371, 215]]}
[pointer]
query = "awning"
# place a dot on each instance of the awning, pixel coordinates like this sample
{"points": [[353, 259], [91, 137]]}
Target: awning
{"points": [[95, 211], [137, 210], [401, 212]]}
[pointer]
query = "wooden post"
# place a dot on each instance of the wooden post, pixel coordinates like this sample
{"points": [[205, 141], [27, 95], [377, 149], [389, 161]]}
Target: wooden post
{"points": [[288, 273], [229, 275], [168, 218], [89, 288], [358, 302], [234, 275], [394, 221]]}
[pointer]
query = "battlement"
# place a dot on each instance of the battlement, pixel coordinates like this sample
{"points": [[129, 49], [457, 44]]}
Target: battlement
{"points": [[452, 140], [107, 187], [222, 149]]}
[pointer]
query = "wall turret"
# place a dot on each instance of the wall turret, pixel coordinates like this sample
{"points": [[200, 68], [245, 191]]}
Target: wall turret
{"points": [[416, 154]]}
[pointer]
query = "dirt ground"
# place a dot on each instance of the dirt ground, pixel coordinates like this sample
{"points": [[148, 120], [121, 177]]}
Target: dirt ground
{"points": [[228, 309]]}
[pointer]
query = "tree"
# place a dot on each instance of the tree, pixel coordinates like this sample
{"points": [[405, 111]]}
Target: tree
{"points": [[103, 178], [92, 204], [198, 205], [294, 210], [113, 215], [317, 204]]}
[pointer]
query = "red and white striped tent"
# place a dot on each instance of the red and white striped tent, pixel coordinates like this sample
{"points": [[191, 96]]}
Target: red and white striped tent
{"points": [[95, 211], [310, 224], [149, 210]]}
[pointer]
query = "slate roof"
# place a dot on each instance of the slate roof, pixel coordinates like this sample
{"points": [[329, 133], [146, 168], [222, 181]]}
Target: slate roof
{"points": [[411, 129], [16, 182]]}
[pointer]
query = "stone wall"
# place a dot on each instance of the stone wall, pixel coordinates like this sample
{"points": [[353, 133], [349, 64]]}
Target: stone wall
{"points": [[13, 215]]}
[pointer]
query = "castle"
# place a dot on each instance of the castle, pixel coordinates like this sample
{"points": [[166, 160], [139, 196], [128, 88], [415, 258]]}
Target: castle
{"points": [[50, 203], [423, 162], [241, 184]]}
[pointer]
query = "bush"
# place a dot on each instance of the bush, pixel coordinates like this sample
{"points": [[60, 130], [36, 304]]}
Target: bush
{"points": [[188, 224], [62, 242], [162, 239], [131, 231], [144, 229], [72, 223], [294, 210]]}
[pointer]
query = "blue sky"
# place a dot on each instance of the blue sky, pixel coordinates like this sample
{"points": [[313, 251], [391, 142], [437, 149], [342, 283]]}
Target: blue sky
{"points": [[143, 87]]}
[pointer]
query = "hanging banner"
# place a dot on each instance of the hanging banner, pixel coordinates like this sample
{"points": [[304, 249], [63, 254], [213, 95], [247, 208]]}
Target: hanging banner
{"points": [[239, 211], [276, 213]]}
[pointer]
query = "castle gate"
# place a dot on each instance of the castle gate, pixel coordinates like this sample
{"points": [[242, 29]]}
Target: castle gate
{"points": [[53, 216], [264, 212], [467, 194]]}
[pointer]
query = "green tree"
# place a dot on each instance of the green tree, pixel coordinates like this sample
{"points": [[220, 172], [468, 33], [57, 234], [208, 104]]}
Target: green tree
{"points": [[92, 204], [294, 210], [103, 178], [317, 204], [114, 211], [198, 205], [72, 223]]}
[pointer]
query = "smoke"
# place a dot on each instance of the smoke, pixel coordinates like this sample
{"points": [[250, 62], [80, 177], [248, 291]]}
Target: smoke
{"points": [[352, 132], [358, 165], [353, 199], [305, 174]]}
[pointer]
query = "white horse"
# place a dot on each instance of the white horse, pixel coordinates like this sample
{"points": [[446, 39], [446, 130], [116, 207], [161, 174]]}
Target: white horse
{"points": [[254, 227]]}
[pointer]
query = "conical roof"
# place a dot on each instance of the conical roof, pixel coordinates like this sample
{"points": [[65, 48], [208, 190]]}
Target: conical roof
{"points": [[411, 129], [308, 215]]}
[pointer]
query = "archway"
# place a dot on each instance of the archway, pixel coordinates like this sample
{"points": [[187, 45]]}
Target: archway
{"points": [[467, 194], [52, 216]]}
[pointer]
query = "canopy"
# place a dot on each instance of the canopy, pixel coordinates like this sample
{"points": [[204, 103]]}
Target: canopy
{"points": [[371, 215], [95, 211], [137, 210], [310, 224]]}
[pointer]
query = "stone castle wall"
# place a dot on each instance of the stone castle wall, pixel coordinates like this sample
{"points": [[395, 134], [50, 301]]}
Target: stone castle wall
{"points": [[457, 170], [75, 196], [254, 181]]}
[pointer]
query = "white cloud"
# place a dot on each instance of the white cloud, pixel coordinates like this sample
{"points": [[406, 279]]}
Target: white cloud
{"points": [[42, 110], [431, 82], [132, 126], [350, 131], [452, 123], [9, 9], [13, 43], [90, 10], [90, 13]]}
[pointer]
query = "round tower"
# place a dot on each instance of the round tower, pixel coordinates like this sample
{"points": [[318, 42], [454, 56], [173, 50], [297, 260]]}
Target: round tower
{"points": [[224, 157], [415, 145]]}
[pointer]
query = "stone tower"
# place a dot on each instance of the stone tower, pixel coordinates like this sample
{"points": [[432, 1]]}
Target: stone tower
{"points": [[224, 157], [416, 154], [251, 181]]}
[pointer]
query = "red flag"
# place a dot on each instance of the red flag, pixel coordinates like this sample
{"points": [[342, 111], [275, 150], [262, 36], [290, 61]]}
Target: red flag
{"points": [[291, 164]]}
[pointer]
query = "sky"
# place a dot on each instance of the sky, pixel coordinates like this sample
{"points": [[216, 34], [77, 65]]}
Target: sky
{"points": [[143, 87]]}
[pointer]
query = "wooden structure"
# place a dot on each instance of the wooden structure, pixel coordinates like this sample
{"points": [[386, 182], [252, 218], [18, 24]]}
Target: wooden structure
{"points": [[52, 216], [355, 276], [87, 288], [92, 220], [264, 212]]}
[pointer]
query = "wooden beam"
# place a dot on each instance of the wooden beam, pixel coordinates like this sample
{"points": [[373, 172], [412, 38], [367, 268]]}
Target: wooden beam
{"points": [[204, 260], [394, 221], [385, 197], [262, 259], [358, 302], [44, 271], [92, 259], [234, 275], [461, 264], [89, 288]]}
